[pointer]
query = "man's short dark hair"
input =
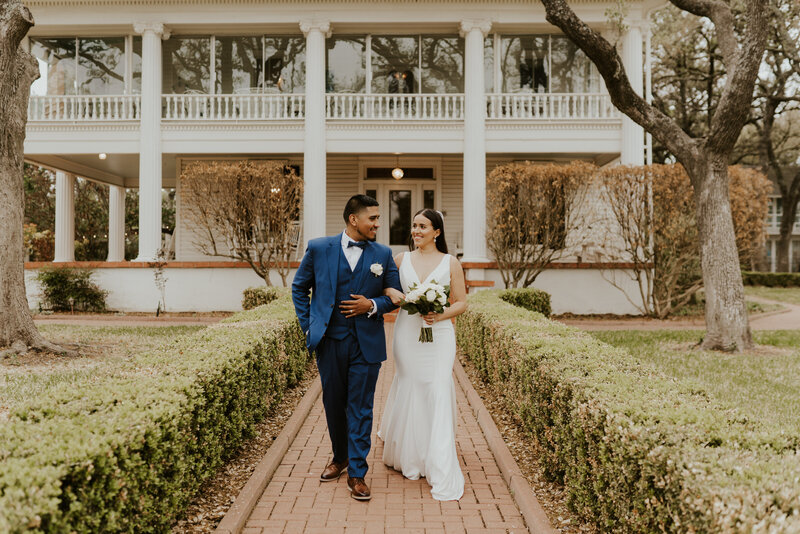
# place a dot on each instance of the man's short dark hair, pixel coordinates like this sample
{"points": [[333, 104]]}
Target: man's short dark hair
{"points": [[356, 204]]}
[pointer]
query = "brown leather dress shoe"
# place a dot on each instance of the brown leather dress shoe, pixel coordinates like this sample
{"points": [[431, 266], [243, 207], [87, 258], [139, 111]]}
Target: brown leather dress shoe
{"points": [[358, 489], [333, 471]]}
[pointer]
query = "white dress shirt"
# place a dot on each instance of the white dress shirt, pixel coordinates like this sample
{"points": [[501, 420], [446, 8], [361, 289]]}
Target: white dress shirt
{"points": [[352, 255]]}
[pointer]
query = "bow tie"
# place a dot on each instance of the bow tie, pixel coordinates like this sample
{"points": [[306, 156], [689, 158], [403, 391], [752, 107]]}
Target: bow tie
{"points": [[359, 244]]}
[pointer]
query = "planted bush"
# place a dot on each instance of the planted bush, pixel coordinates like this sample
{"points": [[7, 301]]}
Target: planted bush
{"points": [[636, 450], [253, 297], [67, 289], [129, 452], [529, 298], [771, 279]]}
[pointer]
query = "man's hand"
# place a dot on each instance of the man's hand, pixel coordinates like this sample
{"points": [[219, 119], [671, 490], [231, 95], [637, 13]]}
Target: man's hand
{"points": [[358, 306]]}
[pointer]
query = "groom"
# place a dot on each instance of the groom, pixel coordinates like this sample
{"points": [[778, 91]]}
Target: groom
{"points": [[343, 323]]}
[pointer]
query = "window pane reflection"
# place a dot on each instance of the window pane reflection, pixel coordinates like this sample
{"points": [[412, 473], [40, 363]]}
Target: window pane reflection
{"points": [[395, 64], [136, 60], [101, 66], [399, 217], [573, 72], [525, 64], [488, 64], [56, 58], [285, 64], [442, 65], [428, 198], [238, 62], [346, 65], [186, 65]]}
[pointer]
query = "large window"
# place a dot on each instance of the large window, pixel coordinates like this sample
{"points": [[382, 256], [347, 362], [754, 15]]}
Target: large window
{"points": [[237, 64], [395, 64], [83, 66], [543, 64], [346, 62], [186, 65]]}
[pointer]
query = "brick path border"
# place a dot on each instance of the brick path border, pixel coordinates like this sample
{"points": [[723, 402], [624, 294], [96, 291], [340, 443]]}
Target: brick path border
{"points": [[242, 507], [535, 517]]}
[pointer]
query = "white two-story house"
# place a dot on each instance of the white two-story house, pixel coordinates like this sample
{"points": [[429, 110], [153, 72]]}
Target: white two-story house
{"points": [[134, 90]]}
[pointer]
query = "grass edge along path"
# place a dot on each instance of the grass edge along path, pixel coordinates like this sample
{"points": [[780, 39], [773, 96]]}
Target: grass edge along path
{"points": [[636, 450], [129, 453]]}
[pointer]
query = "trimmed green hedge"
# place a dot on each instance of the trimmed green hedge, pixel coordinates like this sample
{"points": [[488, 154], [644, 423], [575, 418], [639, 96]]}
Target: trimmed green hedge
{"points": [[636, 450], [529, 298], [751, 278], [126, 454], [60, 284], [252, 297]]}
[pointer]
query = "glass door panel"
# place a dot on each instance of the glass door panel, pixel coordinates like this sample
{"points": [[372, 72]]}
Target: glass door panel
{"points": [[399, 217]]}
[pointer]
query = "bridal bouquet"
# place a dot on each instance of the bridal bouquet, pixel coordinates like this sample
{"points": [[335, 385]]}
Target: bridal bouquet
{"points": [[423, 299]]}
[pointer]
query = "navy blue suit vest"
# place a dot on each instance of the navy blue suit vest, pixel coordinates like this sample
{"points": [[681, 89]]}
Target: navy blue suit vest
{"points": [[339, 326]]}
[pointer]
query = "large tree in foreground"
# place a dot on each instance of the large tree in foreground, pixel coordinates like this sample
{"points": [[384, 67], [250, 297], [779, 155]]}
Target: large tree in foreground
{"points": [[705, 158], [18, 70]]}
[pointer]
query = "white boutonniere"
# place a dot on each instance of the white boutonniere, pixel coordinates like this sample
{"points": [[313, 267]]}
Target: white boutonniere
{"points": [[376, 269]]}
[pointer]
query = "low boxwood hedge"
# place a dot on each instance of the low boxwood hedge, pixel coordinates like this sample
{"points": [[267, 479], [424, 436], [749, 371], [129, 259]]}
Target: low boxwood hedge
{"points": [[636, 450], [252, 297], [771, 279], [126, 453], [528, 298]]}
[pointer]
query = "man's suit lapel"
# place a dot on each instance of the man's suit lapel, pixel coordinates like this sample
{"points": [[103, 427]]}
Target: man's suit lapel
{"points": [[367, 258], [332, 254]]}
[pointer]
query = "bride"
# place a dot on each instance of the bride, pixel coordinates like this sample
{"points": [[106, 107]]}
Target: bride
{"points": [[419, 421]]}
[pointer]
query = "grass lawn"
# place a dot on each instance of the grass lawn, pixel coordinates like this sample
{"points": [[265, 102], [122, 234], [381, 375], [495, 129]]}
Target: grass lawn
{"points": [[103, 351], [762, 386], [790, 295]]}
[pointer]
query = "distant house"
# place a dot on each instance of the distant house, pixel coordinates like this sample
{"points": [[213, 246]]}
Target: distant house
{"points": [[774, 218], [131, 92]]}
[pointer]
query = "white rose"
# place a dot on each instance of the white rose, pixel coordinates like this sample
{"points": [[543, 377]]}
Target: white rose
{"points": [[442, 300], [376, 269], [430, 295]]}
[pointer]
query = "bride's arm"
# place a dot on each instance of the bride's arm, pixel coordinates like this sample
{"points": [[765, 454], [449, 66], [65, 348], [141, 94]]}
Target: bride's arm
{"points": [[458, 294], [391, 292]]}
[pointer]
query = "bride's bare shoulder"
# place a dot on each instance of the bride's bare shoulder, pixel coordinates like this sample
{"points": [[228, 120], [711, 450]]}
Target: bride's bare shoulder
{"points": [[398, 258]]}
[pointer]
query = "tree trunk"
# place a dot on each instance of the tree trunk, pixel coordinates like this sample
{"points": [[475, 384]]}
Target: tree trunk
{"points": [[18, 70], [726, 312]]}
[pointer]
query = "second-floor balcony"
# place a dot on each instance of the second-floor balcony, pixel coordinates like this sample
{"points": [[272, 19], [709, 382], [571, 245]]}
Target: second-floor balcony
{"points": [[339, 106]]}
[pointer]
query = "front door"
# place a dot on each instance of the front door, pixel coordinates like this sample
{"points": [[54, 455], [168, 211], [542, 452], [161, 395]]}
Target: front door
{"points": [[399, 202]]}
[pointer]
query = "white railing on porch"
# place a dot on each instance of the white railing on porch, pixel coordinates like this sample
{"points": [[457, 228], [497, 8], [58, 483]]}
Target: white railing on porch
{"points": [[395, 106], [84, 108], [234, 107], [580, 106]]}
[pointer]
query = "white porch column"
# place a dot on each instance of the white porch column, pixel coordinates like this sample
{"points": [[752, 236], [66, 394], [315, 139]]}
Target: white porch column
{"points": [[314, 153], [65, 217], [632, 152], [474, 32], [150, 141], [116, 223]]}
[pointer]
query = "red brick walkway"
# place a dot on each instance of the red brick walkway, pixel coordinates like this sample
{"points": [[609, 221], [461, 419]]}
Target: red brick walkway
{"points": [[296, 501]]}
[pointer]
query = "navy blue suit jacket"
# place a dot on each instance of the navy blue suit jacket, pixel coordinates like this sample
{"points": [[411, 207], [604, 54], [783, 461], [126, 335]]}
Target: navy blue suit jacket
{"points": [[318, 273]]}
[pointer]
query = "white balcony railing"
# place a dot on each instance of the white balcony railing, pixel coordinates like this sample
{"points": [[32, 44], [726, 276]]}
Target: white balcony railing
{"points": [[234, 107], [558, 106], [84, 108], [395, 106]]}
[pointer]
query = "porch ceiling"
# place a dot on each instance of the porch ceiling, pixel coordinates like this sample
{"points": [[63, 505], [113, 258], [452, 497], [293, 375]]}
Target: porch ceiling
{"points": [[116, 169]]}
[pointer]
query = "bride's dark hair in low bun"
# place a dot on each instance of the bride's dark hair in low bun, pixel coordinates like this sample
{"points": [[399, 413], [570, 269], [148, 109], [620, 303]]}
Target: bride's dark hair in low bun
{"points": [[438, 224]]}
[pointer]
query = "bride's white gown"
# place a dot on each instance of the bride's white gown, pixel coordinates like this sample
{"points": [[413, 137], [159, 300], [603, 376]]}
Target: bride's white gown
{"points": [[419, 421]]}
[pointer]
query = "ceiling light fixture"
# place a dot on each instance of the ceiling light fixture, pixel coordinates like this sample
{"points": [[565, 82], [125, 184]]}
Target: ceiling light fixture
{"points": [[397, 172]]}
